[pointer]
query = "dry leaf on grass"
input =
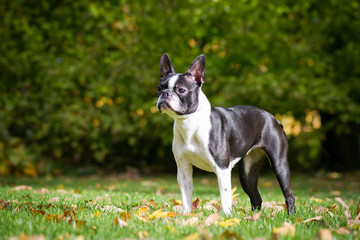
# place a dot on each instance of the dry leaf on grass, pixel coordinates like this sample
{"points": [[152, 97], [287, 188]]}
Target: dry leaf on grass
{"points": [[21, 187], [254, 217], [113, 209], [23, 236], [191, 221], [229, 222], [213, 218], [314, 219], [37, 212], [230, 235], [43, 190], [192, 236], [160, 214], [196, 204], [119, 222], [324, 234], [212, 205], [352, 223], [150, 203], [346, 212], [286, 230]]}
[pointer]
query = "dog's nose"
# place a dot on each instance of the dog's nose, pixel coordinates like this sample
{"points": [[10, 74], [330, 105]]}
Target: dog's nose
{"points": [[165, 94]]}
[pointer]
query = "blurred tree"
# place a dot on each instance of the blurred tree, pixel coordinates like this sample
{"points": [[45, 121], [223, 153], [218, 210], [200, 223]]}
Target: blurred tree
{"points": [[78, 79]]}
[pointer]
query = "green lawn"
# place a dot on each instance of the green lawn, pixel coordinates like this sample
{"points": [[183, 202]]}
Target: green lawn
{"points": [[147, 208]]}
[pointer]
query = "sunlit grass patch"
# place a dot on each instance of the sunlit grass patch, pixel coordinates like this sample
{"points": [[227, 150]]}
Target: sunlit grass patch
{"points": [[150, 207]]}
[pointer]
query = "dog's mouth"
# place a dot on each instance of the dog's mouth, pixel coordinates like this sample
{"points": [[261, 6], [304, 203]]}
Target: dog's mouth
{"points": [[164, 106]]}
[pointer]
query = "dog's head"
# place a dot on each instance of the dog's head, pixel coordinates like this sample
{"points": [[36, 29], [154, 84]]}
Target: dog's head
{"points": [[179, 93]]}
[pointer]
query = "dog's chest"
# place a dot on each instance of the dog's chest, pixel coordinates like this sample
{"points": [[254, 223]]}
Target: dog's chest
{"points": [[191, 144]]}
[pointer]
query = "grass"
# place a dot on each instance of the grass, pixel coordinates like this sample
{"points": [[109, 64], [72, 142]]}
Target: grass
{"points": [[86, 207]]}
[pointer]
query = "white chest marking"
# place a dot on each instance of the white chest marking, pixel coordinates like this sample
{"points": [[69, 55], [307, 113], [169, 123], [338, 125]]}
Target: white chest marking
{"points": [[191, 137]]}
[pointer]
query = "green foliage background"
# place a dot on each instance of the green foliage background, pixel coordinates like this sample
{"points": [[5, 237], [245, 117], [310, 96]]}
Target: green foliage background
{"points": [[78, 78]]}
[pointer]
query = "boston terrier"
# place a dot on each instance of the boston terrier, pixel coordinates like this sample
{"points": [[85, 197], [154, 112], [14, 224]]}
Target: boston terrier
{"points": [[215, 139]]}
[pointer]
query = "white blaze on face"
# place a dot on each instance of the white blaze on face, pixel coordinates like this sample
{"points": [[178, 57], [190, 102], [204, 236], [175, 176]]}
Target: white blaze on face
{"points": [[173, 100], [172, 81]]}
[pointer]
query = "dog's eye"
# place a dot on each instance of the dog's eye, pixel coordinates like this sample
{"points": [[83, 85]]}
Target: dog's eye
{"points": [[181, 90]]}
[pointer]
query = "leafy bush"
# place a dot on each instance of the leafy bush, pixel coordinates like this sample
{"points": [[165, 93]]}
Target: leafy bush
{"points": [[79, 78]]}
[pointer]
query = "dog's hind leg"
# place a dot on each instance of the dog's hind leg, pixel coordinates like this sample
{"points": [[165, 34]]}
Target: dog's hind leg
{"points": [[249, 169], [278, 158]]}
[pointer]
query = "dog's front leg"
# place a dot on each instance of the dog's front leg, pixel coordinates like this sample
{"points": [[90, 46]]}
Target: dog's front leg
{"points": [[224, 181], [184, 177]]}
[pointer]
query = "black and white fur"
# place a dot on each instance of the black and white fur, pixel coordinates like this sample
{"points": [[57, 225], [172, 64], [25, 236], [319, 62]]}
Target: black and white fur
{"points": [[215, 139]]}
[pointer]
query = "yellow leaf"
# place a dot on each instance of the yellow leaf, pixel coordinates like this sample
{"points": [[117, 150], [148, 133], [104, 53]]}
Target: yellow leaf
{"points": [[316, 200], [160, 214], [142, 210], [97, 214], [193, 236], [229, 222]]}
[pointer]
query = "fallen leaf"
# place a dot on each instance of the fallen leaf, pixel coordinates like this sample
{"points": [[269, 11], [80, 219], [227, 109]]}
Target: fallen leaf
{"points": [[316, 200], [193, 236], [77, 191], [113, 209], [212, 206], [125, 216], [343, 231], [324, 234], [53, 217], [160, 214], [334, 175], [36, 212], [160, 191], [23, 236], [286, 230], [191, 221], [81, 237], [196, 204], [322, 210], [335, 193], [346, 212], [230, 235], [229, 222], [314, 219], [176, 202], [254, 217], [21, 187], [142, 210], [213, 218], [54, 199], [4, 204], [150, 203], [43, 190], [97, 214], [120, 223]]}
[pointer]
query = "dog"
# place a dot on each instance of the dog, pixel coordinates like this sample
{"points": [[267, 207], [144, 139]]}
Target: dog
{"points": [[214, 139]]}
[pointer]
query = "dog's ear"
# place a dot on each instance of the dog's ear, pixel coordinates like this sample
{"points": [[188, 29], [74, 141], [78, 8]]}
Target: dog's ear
{"points": [[165, 66], [197, 69]]}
